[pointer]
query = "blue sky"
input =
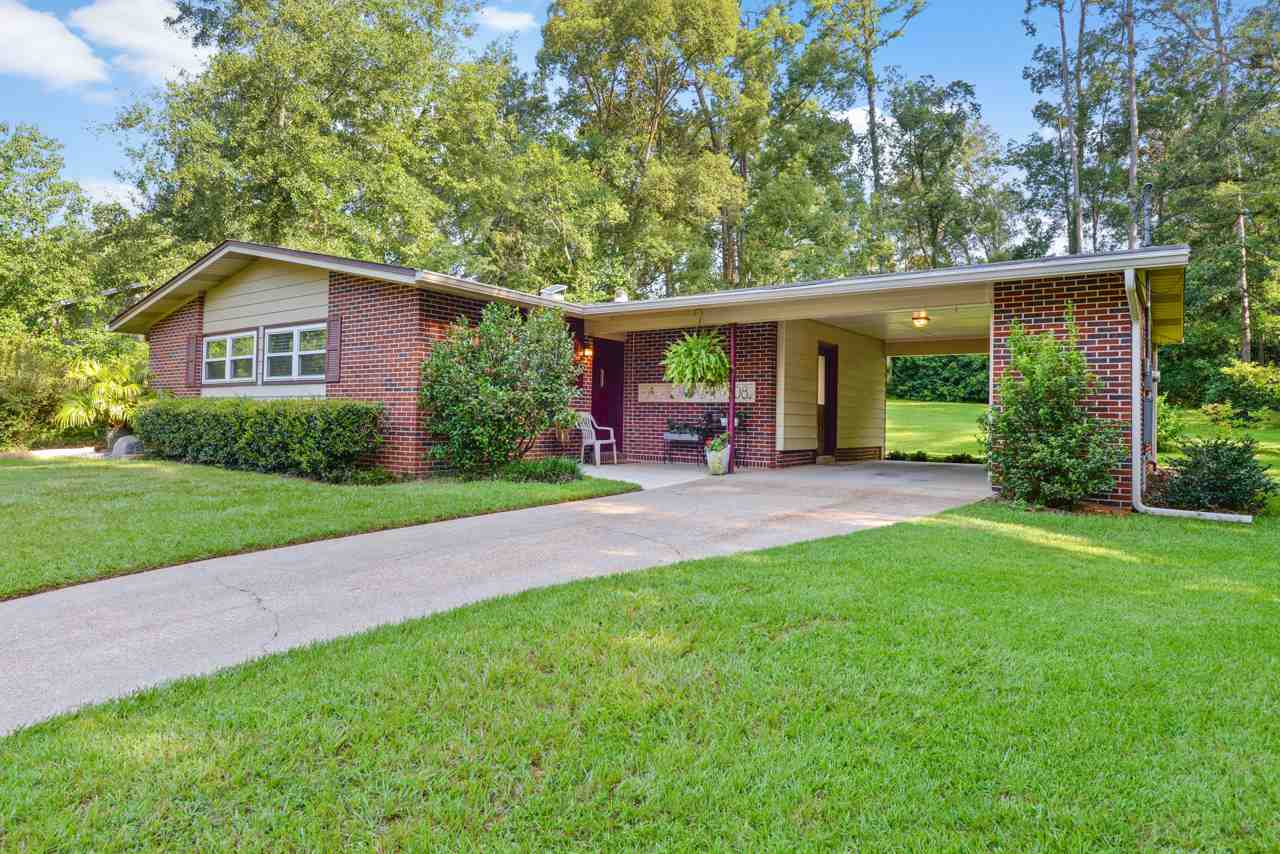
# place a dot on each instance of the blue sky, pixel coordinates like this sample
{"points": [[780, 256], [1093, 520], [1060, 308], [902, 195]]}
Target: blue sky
{"points": [[67, 66]]}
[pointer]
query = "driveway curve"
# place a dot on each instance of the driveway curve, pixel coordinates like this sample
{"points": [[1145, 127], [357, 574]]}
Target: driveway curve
{"points": [[84, 644]]}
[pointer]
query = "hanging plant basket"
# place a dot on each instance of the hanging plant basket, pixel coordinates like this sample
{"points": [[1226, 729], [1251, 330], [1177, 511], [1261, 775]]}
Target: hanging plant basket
{"points": [[696, 361]]}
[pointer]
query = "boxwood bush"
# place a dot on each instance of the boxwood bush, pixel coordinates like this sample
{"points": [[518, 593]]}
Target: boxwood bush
{"points": [[321, 439]]}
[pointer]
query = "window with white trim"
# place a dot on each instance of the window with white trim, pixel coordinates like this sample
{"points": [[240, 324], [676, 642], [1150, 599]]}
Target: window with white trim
{"points": [[296, 352], [230, 358]]}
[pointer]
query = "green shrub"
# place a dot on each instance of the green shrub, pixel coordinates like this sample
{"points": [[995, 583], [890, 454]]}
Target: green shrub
{"points": [[962, 457], [547, 470], [1172, 426], [942, 378], [1220, 474], [322, 439], [920, 457], [491, 389], [899, 456], [1043, 445], [1249, 388]]}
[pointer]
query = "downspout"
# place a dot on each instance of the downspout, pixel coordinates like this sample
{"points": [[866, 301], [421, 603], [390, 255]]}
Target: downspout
{"points": [[1136, 351]]}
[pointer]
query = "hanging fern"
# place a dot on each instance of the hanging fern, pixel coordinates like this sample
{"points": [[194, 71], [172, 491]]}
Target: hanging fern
{"points": [[696, 361]]}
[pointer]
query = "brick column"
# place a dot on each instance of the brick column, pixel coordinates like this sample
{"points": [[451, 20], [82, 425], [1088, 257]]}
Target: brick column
{"points": [[1102, 319], [169, 342]]}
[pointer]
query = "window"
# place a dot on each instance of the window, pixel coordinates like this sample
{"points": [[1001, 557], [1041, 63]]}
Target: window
{"points": [[230, 358], [296, 353]]}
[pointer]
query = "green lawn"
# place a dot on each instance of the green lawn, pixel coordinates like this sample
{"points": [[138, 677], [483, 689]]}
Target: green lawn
{"points": [[987, 678], [949, 428], [1267, 432], [68, 521], [939, 428]]}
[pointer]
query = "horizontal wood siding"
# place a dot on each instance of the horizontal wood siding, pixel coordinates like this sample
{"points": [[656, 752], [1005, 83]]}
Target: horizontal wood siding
{"points": [[861, 392], [267, 293]]}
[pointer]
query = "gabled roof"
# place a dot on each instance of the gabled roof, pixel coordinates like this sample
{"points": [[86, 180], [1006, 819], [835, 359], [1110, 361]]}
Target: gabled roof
{"points": [[1165, 264]]}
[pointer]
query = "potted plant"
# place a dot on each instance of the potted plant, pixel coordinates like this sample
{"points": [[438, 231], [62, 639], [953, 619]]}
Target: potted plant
{"points": [[698, 362], [718, 451]]}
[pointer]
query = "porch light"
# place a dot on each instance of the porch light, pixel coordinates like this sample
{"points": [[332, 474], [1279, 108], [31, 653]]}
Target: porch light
{"points": [[920, 318], [586, 351]]}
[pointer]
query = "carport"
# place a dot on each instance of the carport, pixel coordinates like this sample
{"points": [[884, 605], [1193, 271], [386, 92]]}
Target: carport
{"points": [[809, 359]]}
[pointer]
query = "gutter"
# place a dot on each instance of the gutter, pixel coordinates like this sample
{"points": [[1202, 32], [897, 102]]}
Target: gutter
{"points": [[1135, 422]]}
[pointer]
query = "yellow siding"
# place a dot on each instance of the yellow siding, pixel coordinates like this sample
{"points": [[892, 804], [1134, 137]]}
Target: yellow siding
{"points": [[267, 293], [861, 386]]}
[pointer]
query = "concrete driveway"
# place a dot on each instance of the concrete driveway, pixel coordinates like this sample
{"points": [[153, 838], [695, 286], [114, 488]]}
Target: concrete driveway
{"points": [[88, 643]]}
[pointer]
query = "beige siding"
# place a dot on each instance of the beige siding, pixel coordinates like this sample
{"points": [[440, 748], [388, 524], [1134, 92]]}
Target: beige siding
{"points": [[861, 387], [267, 293]]}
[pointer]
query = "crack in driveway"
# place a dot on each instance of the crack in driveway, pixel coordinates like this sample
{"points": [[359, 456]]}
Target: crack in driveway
{"points": [[258, 601]]}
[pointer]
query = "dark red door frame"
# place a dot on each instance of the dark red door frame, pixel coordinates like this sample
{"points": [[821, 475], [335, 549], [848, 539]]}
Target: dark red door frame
{"points": [[607, 400], [831, 375]]}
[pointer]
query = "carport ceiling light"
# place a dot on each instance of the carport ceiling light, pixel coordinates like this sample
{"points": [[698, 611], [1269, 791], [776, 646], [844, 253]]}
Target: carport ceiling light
{"points": [[920, 318]]}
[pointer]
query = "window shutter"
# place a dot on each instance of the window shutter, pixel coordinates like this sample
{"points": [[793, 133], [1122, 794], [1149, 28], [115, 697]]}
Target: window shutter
{"points": [[193, 360], [333, 351]]}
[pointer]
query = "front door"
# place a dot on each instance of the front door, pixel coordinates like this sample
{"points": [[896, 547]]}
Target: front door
{"points": [[828, 373], [606, 386]]}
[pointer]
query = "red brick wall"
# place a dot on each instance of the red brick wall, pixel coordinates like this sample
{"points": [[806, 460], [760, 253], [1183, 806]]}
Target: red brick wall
{"points": [[757, 361], [169, 344], [1102, 318], [387, 332]]}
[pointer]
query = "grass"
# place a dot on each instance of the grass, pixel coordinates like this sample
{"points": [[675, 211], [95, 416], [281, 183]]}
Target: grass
{"points": [[68, 521], [949, 428], [986, 678], [1267, 432], [938, 428]]}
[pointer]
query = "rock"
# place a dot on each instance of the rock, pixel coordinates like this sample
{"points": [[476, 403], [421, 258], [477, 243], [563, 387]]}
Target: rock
{"points": [[126, 446]]}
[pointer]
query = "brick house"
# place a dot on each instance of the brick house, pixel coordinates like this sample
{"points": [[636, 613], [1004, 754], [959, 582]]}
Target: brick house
{"points": [[808, 359]]}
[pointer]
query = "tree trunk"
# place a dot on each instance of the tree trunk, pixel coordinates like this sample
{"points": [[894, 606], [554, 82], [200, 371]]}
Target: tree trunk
{"points": [[872, 130], [1224, 102], [1131, 51], [1075, 238]]}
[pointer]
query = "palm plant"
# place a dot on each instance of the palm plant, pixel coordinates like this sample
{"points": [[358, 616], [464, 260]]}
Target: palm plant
{"points": [[104, 393]]}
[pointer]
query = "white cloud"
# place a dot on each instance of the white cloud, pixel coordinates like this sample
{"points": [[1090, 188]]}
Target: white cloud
{"points": [[506, 20], [106, 190], [143, 43], [859, 117], [38, 45]]}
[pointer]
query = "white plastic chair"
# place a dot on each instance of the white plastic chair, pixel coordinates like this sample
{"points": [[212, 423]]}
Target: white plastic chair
{"points": [[591, 437]]}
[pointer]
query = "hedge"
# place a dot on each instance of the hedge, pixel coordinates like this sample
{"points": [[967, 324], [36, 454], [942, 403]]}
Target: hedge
{"points": [[939, 378], [322, 439]]}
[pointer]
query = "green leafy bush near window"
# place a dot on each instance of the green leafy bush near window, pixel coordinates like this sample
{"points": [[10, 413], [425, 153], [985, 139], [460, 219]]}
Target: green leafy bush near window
{"points": [[491, 389], [548, 470], [321, 439], [1043, 445], [1249, 388], [1220, 474]]}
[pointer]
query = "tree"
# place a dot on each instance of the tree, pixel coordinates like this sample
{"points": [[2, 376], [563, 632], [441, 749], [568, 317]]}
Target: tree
{"points": [[931, 126], [306, 129], [1206, 24], [630, 68], [866, 26], [42, 233], [491, 389]]}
